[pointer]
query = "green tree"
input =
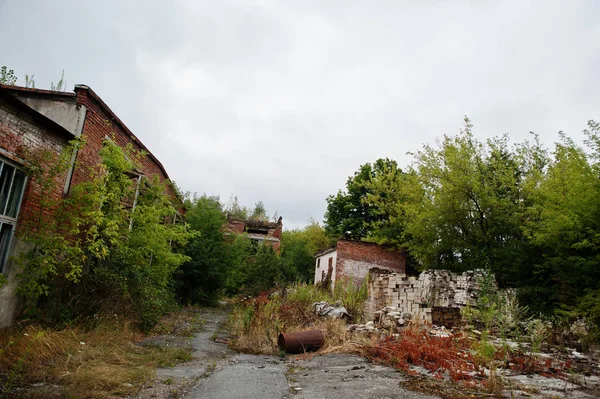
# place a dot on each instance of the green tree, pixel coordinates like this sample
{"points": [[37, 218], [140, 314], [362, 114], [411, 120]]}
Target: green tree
{"points": [[564, 225], [472, 207], [296, 254], [234, 209], [348, 215], [299, 248], [259, 212], [253, 269], [264, 270], [202, 278]]}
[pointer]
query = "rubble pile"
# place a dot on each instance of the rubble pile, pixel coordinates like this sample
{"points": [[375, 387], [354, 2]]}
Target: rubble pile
{"points": [[392, 319], [325, 309]]}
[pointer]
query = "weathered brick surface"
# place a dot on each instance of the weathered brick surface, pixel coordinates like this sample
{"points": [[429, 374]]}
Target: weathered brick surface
{"points": [[355, 258], [24, 132], [100, 123], [269, 231], [21, 138]]}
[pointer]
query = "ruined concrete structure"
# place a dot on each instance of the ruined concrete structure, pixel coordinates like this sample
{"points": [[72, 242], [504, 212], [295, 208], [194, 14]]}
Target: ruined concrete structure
{"points": [[352, 260], [259, 231], [436, 296], [32, 120]]}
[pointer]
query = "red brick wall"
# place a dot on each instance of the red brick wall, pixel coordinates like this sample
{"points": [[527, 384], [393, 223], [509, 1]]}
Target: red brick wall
{"points": [[99, 124], [239, 227], [235, 226], [21, 138], [355, 258]]}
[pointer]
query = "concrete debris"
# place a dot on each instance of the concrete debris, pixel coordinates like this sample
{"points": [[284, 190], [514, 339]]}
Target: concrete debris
{"points": [[391, 319], [325, 309], [440, 331]]}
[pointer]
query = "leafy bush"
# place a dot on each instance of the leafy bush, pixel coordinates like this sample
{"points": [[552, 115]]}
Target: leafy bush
{"points": [[92, 252]]}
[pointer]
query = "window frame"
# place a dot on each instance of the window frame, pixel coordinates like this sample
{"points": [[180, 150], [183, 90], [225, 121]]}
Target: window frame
{"points": [[9, 220]]}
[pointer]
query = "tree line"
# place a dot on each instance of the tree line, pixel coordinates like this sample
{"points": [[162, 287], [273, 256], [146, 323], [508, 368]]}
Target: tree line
{"points": [[224, 264], [529, 214]]}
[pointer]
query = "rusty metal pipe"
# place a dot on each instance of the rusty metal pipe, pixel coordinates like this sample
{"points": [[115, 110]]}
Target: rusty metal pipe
{"points": [[300, 341]]}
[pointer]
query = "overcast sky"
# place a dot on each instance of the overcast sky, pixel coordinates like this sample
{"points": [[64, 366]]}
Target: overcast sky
{"points": [[280, 101]]}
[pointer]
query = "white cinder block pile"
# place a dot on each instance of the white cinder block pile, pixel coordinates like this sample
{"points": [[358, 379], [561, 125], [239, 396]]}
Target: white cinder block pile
{"points": [[434, 296]]}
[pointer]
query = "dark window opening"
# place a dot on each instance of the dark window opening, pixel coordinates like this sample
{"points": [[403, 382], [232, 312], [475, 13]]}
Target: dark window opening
{"points": [[12, 184]]}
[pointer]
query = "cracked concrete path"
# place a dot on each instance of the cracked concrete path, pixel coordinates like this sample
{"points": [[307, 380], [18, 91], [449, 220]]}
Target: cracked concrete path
{"points": [[217, 372], [246, 376], [207, 356], [332, 376]]}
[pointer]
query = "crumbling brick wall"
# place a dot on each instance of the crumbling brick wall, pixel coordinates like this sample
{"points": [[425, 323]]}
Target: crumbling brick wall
{"points": [[436, 296], [270, 232]]}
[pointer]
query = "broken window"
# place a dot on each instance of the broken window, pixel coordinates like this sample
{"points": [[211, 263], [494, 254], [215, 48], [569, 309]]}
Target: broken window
{"points": [[12, 183]]}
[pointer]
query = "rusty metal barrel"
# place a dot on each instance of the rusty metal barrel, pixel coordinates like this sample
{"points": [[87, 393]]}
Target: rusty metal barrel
{"points": [[300, 341]]}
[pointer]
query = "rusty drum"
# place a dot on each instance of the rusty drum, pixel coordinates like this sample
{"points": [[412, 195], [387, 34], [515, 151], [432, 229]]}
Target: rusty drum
{"points": [[300, 341]]}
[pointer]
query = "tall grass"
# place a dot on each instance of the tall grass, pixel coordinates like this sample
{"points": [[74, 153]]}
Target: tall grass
{"points": [[99, 363], [352, 297], [256, 324]]}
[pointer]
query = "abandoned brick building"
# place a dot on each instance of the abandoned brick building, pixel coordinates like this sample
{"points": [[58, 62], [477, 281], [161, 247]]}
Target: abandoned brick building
{"points": [[258, 231], [352, 260], [33, 119]]}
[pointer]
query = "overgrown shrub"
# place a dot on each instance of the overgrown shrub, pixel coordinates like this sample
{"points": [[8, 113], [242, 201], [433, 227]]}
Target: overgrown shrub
{"points": [[100, 249]]}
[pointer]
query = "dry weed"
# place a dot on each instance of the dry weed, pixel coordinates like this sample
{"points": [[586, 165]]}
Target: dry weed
{"points": [[100, 363], [256, 324]]}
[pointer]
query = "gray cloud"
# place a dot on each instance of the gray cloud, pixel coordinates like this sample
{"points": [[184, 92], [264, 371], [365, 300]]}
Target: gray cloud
{"points": [[280, 101]]}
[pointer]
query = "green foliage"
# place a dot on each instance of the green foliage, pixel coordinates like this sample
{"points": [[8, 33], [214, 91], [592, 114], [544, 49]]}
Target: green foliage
{"points": [[7, 76], [254, 267], [564, 224], [235, 210], [203, 276], [29, 82], [264, 270], [259, 212], [91, 252], [299, 248], [529, 215], [348, 215], [472, 209], [538, 332], [61, 85], [352, 297]]}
